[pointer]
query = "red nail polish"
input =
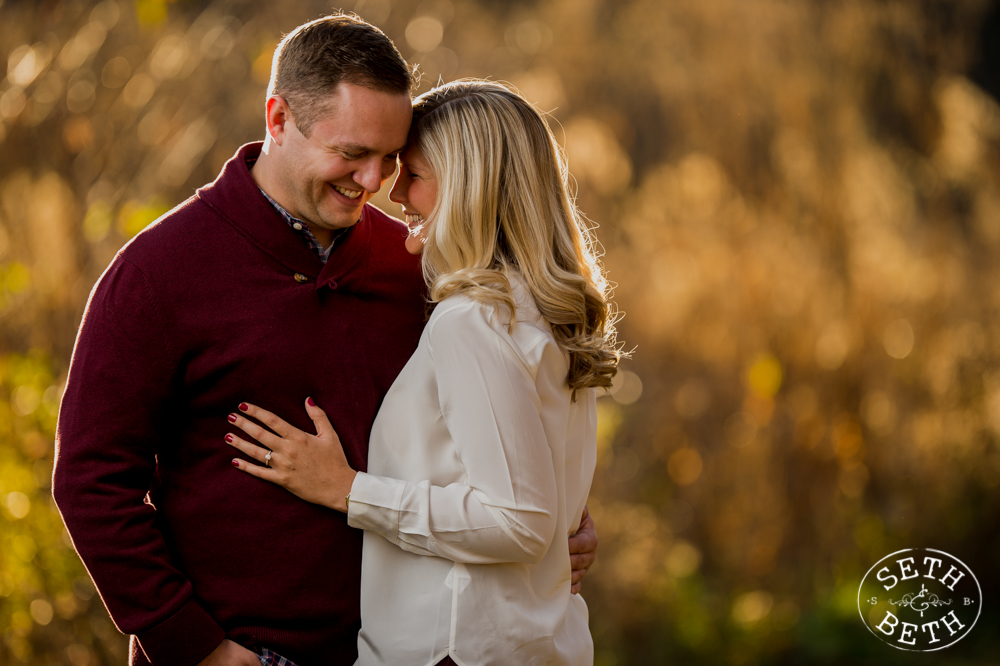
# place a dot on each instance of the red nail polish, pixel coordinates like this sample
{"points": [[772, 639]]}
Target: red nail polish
{"points": [[243, 407], [229, 438], [232, 418], [310, 401], [236, 463]]}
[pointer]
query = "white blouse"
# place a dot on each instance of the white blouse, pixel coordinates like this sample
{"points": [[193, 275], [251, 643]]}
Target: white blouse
{"points": [[479, 469]]}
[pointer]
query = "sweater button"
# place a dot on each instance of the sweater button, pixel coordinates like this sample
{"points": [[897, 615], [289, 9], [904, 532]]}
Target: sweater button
{"points": [[299, 277]]}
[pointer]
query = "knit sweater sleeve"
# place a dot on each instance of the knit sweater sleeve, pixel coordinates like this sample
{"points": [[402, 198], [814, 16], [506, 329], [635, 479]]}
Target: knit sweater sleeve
{"points": [[111, 425]]}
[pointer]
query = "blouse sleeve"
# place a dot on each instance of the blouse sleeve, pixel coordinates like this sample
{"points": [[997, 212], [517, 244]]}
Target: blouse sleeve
{"points": [[505, 511]]}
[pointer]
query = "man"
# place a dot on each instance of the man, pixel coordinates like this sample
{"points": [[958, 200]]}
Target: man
{"points": [[274, 282]]}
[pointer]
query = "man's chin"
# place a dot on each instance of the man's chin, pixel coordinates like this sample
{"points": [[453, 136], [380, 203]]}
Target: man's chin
{"points": [[342, 219], [341, 216]]}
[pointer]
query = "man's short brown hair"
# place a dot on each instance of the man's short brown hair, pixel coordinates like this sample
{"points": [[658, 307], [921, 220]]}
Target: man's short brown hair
{"points": [[312, 60]]}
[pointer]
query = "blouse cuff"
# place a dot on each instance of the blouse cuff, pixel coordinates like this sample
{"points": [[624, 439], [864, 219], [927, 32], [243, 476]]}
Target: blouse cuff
{"points": [[374, 505]]}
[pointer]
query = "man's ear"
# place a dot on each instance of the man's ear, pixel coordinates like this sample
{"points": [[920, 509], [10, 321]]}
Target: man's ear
{"points": [[277, 115]]}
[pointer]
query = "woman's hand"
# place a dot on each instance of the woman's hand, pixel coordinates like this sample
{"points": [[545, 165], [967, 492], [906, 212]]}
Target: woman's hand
{"points": [[230, 654], [313, 467]]}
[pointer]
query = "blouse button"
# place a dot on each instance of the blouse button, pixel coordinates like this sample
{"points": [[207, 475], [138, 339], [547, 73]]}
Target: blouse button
{"points": [[297, 226], [299, 277]]}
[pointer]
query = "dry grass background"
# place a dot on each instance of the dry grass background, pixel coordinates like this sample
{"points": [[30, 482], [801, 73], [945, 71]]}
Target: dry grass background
{"points": [[798, 200]]}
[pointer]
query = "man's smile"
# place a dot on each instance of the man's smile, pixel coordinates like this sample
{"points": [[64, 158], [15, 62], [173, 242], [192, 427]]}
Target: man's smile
{"points": [[350, 194]]}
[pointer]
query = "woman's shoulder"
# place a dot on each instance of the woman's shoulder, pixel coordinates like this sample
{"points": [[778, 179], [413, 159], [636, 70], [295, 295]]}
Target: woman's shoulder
{"points": [[527, 309], [461, 319], [462, 306], [465, 316]]}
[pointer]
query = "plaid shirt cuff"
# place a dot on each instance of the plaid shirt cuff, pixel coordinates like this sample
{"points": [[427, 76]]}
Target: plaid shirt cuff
{"points": [[268, 658]]}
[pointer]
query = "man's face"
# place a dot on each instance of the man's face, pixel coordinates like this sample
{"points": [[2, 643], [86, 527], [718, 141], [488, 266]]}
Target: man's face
{"points": [[351, 150]]}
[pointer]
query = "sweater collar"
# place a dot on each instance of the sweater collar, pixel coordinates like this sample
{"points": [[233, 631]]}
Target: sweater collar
{"points": [[235, 196]]}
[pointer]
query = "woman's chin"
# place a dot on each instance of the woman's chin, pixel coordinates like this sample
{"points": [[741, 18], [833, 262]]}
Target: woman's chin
{"points": [[414, 244]]}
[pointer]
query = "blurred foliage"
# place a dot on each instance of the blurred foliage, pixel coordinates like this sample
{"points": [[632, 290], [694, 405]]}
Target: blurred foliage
{"points": [[798, 198]]}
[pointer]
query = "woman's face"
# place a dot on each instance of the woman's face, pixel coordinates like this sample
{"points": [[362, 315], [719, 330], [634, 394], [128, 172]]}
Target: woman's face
{"points": [[415, 190]]}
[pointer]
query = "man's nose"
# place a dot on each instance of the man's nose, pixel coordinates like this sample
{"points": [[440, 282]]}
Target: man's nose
{"points": [[369, 176], [388, 168]]}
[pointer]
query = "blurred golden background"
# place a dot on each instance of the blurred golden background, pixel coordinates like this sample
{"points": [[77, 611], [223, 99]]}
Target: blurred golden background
{"points": [[798, 200]]}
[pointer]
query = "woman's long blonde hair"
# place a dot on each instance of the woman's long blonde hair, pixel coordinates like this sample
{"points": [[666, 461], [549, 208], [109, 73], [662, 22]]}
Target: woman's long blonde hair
{"points": [[504, 208]]}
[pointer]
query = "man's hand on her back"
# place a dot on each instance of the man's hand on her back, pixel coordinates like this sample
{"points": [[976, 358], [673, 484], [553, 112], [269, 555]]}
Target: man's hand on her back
{"points": [[230, 654], [582, 550]]}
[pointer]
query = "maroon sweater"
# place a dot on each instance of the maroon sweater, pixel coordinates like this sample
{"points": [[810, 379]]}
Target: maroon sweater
{"points": [[221, 302]]}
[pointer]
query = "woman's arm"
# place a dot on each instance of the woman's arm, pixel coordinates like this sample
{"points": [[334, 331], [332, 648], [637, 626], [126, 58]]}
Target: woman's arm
{"points": [[505, 508]]}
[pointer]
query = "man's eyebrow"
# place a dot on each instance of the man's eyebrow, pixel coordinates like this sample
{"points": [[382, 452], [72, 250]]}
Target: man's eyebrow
{"points": [[359, 148], [352, 147]]}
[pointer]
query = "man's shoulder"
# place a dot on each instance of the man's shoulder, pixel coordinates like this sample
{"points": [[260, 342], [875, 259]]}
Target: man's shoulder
{"points": [[177, 231], [211, 214], [383, 224]]}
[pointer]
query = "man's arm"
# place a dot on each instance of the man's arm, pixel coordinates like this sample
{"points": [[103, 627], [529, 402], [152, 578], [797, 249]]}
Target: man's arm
{"points": [[582, 550], [111, 424]]}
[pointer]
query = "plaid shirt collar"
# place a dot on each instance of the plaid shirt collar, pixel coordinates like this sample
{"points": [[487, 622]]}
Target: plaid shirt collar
{"points": [[299, 226]]}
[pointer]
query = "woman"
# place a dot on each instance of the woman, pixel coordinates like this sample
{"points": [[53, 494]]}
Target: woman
{"points": [[483, 452]]}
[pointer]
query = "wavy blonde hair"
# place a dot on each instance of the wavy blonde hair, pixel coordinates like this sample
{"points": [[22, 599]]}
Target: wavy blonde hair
{"points": [[504, 208]]}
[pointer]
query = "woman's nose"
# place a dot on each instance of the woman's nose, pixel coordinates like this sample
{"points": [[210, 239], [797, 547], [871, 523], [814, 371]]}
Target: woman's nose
{"points": [[398, 192]]}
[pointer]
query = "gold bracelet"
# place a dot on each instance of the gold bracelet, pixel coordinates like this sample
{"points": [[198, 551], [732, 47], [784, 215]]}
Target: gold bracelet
{"points": [[347, 500]]}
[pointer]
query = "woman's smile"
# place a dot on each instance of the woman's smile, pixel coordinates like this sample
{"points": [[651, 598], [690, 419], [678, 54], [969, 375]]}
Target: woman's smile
{"points": [[415, 190]]}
